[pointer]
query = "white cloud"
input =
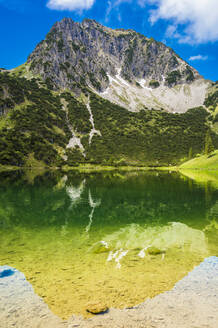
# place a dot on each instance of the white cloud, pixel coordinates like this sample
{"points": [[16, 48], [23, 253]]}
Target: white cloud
{"points": [[199, 18], [198, 57], [108, 11], [141, 3], [70, 4], [114, 4]]}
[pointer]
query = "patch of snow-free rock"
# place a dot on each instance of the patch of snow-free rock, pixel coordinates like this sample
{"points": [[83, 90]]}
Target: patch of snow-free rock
{"points": [[93, 130], [177, 99]]}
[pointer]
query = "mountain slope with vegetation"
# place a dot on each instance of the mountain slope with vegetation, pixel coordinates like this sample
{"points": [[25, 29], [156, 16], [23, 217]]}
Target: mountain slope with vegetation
{"points": [[42, 127], [31, 122]]}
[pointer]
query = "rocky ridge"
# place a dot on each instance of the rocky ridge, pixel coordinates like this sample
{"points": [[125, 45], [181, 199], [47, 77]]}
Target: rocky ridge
{"points": [[122, 66]]}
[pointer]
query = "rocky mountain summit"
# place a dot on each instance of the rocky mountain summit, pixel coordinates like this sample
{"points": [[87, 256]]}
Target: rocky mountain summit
{"points": [[122, 66]]}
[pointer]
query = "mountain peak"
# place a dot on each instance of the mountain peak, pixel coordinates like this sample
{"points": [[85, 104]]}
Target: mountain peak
{"points": [[88, 54], [65, 22], [89, 21]]}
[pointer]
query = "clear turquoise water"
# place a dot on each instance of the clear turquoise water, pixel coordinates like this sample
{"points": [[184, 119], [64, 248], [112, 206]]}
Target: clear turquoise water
{"points": [[115, 237]]}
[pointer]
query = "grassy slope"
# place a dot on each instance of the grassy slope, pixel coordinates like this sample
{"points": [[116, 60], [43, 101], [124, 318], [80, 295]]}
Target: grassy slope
{"points": [[202, 176], [203, 162]]}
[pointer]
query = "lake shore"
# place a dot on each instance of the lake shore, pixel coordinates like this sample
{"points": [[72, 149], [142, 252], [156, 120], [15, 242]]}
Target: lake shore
{"points": [[89, 168], [193, 302], [202, 162]]}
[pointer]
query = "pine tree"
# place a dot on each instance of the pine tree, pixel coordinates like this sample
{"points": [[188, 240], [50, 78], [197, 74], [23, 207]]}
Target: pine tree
{"points": [[209, 147], [190, 153]]}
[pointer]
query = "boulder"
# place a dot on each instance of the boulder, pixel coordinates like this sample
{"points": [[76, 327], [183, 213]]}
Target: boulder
{"points": [[96, 308]]}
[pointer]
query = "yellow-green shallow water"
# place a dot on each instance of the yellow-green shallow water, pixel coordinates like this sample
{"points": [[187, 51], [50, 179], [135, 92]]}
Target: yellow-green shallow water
{"points": [[110, 238]]}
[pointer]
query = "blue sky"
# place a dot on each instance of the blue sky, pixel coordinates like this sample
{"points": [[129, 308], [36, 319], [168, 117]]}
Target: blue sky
{"points": [[190, 27]]}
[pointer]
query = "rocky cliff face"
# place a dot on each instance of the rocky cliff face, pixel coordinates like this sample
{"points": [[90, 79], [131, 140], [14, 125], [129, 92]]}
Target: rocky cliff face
{"points": [[121, 65]]}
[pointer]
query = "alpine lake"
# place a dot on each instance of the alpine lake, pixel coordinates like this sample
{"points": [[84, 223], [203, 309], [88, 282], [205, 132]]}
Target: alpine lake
{"points": [[112, 237]]}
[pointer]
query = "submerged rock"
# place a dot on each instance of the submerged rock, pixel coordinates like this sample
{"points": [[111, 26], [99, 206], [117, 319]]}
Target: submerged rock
{"points": [[96, 308], [155, 251], [100, 247]]}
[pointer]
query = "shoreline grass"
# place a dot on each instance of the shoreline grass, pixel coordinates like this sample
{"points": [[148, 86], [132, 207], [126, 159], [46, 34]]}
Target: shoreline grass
{"points": [[201, 163], [99, 168], [209, 162], [90, 168]]}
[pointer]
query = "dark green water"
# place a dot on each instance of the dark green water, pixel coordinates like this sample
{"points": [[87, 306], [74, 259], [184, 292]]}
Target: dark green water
{"points": [[116, 238]]}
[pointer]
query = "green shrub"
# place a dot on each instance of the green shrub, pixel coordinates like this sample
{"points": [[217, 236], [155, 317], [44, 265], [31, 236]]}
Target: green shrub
{"points": [[189, 74], [174, 61], [96, 84], [212, 99], [154, 84], [129, 55], [173, 77], [60, 45], [75, 47], [104, 75]]}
